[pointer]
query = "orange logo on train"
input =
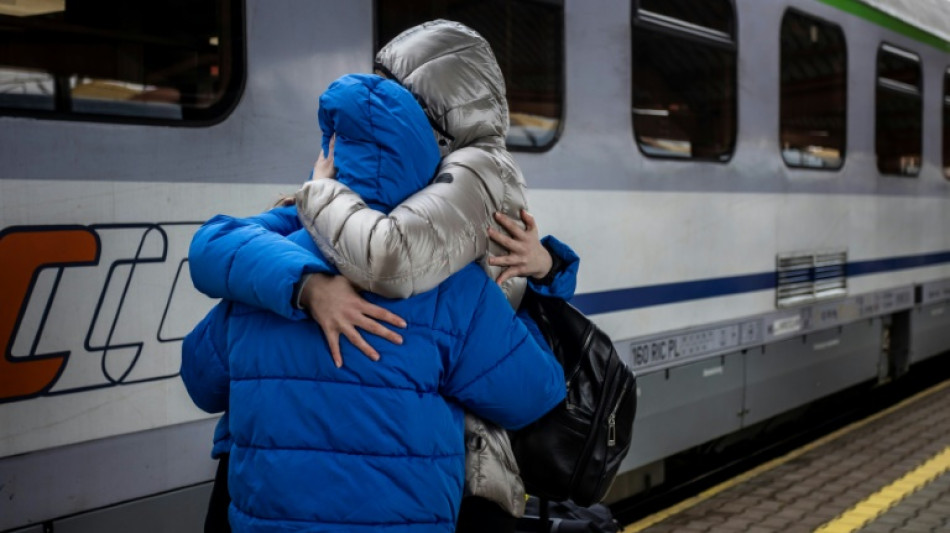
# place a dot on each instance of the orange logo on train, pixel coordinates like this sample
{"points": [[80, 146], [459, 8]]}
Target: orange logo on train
{"points": [[87, 307], [23, 253]]}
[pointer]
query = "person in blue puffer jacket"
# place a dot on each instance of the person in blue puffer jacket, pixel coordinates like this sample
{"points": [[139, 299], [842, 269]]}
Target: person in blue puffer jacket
{"points": [[372, 446], [453, 72]]}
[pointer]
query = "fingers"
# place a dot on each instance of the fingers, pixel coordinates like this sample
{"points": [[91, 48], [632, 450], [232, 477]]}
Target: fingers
{"points": [[507, 242], [509, 224], [507, 274], [384, 315], [504, 260], [317, 171], [329, 157], [374, 327], [529, 222], [334, 342], [360, 343]]}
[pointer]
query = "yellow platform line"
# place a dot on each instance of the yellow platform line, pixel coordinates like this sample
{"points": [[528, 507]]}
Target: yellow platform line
{"points": [[660, 516], [879, 502]]}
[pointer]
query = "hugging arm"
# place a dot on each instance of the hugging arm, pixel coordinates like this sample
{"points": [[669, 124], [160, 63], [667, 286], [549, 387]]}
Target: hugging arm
{"points": [[428, 237], [420, 243], [249, 260]]}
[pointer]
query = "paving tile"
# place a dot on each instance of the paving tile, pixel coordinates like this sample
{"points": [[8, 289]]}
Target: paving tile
{"points": [[775, 523], [733, 507], [760, 529], [755, 515], [729, 528], [913, 528], [800, 527], [891, 520]]}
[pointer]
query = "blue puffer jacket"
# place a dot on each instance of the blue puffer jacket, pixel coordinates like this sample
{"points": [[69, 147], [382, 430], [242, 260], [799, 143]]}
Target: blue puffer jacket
{"points": [[371, 446]]}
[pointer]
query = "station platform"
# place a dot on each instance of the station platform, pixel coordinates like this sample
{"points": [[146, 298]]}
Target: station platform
{"points": [[889, 472]]}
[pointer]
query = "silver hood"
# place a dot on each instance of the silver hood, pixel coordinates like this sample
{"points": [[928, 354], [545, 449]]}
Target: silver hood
{"points": [[453, 71]]}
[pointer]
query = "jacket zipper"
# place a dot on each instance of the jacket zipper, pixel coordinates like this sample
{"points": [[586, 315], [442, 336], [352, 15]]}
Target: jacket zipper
{"points": [[612, 419], [584, 349]]}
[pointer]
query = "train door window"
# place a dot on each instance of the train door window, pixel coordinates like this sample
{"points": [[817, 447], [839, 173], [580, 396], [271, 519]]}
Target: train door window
{"points": [[812, 121], [168, 61], [898, 115], [946, 124], [527, 37], [684, 78]]}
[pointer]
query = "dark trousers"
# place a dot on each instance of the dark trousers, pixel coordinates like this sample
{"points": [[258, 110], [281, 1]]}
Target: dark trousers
{"points": [[478, 515], [216, 521]]}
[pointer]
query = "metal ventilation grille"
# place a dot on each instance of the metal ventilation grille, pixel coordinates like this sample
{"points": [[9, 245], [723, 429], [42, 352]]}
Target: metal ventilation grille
{"points": [[807, 277]]}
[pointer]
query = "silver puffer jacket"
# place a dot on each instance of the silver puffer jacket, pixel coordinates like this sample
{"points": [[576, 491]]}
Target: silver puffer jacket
{"points": [[452, 71], [436, 232]]}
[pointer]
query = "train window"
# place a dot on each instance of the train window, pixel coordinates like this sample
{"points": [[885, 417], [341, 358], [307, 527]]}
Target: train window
{"points": [[684, 78], [169, 61], [898, 114], [814, 89], [946, 124], [527, 37]]}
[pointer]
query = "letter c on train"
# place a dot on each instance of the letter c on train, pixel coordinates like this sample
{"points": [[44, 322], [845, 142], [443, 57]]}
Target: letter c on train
{"points": [[24, 252]]}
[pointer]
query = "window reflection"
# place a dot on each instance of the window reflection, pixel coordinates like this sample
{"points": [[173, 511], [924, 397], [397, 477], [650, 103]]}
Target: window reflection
{"points": [[26, 89], [716, 15], [898, 113], [812, 129], [684, 79], [112, 97], [173, 59], [946, 124]]}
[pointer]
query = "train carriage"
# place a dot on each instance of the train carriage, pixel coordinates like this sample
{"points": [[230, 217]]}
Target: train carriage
{"points": [[759, 192]]}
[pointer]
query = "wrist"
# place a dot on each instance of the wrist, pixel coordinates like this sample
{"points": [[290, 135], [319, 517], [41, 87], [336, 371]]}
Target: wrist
{"points": [[299, 290], [554, 263]]}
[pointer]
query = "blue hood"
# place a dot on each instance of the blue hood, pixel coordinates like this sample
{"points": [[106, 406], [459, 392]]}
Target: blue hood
{"points": [[385, 148]]}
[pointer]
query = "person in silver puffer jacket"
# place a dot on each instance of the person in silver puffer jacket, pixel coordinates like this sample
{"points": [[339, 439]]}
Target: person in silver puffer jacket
{"points": [[453, 72]]}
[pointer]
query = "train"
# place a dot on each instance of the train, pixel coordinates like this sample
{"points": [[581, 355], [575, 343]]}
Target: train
{"points": [[759, 191]]}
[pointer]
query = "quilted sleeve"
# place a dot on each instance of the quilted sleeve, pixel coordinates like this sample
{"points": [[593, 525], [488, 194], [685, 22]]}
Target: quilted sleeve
{"points": [[501, 372], [204, 361], [249, 260], [421, 242]]}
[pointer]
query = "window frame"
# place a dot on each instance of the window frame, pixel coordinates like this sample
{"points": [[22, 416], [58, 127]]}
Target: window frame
{"points": [[697, 35], [847, 99], [900, 51], [212, 115], [945, 124]]}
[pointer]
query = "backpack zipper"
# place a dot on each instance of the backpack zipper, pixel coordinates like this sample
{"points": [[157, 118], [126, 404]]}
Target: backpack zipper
{"points": [[612, 419]]}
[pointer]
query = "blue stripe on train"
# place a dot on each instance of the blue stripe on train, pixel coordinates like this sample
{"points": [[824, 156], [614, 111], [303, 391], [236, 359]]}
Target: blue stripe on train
{"points": [[667, 293]]}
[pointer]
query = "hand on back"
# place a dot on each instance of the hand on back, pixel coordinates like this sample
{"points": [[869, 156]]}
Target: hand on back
{"points": [[338, 308]]}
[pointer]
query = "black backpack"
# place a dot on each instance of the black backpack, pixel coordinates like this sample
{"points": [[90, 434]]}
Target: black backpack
{"points": [[574, 451]]}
